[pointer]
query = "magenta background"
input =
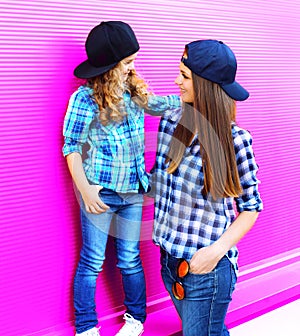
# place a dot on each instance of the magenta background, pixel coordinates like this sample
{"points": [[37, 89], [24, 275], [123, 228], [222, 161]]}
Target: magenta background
{"points": [[41, 43]]}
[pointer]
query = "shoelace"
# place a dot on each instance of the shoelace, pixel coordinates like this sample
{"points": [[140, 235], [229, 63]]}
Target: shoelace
{"points": [[130, 325], [94, 332]]}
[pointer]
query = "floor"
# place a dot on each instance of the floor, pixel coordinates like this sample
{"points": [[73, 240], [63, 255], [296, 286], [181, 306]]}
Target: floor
{"points": [[284, 321]]}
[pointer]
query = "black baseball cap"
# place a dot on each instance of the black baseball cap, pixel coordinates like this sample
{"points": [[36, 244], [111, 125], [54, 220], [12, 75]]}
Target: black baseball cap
{"points": [[106, 45]]}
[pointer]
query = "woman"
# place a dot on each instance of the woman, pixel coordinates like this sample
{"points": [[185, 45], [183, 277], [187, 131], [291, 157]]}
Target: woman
{"points": [[204, 163], [107, 115]]}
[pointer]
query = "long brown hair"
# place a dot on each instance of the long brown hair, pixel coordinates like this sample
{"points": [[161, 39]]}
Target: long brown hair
{"points": [[210, 118], [108, 90]]}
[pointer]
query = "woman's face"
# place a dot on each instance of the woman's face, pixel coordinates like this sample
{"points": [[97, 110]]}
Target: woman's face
{"points": [[185, 83], [128, 64]]}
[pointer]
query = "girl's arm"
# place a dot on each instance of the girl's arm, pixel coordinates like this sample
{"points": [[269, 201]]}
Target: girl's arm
{"points": [[157, 105], [76, 128], [89, 193]]}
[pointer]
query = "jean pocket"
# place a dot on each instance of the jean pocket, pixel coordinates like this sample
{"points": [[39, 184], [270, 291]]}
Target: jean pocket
{"points": [[106, 191], [233, 280], [199, 285]]}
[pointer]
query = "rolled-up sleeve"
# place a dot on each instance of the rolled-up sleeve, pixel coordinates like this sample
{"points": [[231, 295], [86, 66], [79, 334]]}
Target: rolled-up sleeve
{"points": [[250, 199], [79, 115], [157, 105]]}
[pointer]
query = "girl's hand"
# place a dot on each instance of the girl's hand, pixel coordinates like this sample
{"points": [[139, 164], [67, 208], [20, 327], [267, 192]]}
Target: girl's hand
{"points": [[92, 201], [205, 259]]}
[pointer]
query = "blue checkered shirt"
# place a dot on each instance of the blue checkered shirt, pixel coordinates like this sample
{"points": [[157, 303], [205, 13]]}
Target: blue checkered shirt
{"points": [[115, 155], [185, 220]]}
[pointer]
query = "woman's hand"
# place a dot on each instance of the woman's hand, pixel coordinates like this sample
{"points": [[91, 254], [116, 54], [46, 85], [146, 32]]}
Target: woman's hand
{"points": [[92, 202], [205, 259]]}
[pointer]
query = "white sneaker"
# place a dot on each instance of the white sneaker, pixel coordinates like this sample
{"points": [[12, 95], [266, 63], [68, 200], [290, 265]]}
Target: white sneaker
{"points": [[90, 332], [132, 327]]}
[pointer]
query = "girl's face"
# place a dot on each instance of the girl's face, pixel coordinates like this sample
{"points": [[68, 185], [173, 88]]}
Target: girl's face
{"points": [[185, 83], [128, 64]]}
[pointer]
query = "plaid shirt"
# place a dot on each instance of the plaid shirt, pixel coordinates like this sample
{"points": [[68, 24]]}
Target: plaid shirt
{"points": [[115, 158], [185, 220]]}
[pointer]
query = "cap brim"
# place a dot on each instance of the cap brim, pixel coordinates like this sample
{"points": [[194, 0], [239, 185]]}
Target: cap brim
{"points": [[235, 91], [86, 70]]}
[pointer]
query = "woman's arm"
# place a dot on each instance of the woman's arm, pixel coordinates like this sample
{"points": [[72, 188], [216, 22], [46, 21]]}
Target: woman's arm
{"points": [[249, 204], [89, 193], [206, 259]]}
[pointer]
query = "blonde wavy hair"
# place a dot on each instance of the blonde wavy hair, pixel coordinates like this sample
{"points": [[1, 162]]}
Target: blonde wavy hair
{"points": [[108, 90]]}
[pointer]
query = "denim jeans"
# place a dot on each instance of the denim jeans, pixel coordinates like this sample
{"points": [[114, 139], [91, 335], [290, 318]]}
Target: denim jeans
{"points": [[207, 297], [124, 217]]}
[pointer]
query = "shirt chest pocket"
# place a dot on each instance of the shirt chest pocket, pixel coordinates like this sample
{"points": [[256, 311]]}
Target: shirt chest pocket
{"points": [[104, 140], [108, 149], [191, 171]]}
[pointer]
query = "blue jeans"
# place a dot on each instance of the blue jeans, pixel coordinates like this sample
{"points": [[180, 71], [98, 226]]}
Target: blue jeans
{"points": [[207, 297], [124, 217]]}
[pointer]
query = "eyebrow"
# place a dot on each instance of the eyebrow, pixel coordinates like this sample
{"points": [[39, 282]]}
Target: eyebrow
{"points": [[130, 59], [185, 73]]}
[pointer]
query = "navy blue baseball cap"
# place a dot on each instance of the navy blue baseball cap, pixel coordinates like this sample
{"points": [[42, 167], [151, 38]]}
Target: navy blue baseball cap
{"points": [[215, 61]]}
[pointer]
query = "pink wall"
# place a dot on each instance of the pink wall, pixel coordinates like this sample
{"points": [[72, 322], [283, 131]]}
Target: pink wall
{"points": [[41, 42]]}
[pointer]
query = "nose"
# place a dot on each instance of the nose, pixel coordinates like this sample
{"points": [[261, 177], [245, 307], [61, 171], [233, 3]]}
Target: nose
{"points": [[178, 79], [131, 66]]}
